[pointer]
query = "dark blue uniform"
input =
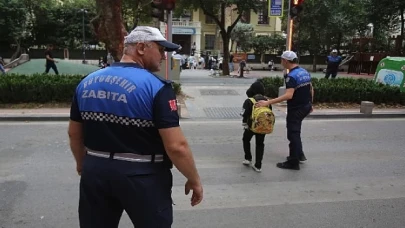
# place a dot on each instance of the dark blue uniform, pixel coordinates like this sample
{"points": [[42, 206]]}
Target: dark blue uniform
{"points": [[297, 108], [126, 167], [333, 65]]}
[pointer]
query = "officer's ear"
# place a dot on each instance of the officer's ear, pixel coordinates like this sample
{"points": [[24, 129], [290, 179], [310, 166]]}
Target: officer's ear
{"points": [[140, 48]]}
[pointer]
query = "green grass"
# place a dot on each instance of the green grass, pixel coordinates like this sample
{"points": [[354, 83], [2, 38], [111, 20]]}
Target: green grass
{"points": [[35, 66]]}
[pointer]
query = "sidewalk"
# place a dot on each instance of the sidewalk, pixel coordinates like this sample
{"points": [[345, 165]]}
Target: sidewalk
{"points": [[214, 100], [62, 114], [264, 73]]}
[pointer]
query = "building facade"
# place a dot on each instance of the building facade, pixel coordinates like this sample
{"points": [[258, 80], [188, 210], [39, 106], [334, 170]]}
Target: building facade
{"points": [[199, 32]]}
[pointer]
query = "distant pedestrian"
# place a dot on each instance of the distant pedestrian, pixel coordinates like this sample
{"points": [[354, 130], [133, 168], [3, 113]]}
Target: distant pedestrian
{"points": [[50, 61], [299, 96], [333, 61], [270, 64], [110, 59], [2, 64], [242, 66], [231, 66]]}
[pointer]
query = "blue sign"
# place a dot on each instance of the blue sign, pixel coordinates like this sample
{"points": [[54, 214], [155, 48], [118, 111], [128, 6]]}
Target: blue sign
{"points": [[276, 8], [183, 31]]}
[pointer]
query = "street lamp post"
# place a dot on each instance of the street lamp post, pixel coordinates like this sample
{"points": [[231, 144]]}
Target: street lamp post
{"points": [[84, 11], [282, 89]]}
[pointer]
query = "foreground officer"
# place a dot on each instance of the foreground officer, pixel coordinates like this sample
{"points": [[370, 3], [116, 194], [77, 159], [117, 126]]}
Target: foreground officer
{"points": [[124, 134], [299, 96]]}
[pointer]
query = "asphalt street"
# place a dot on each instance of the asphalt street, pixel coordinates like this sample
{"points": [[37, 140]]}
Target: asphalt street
{"points": [[354, 177]]}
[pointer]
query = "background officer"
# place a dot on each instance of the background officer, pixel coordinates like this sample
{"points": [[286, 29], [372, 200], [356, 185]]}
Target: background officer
{"points": [[333, 61], [124, 134], [299, 96]]}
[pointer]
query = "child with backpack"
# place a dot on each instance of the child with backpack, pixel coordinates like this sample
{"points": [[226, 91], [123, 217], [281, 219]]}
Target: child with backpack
{"points": [[257, 121]]}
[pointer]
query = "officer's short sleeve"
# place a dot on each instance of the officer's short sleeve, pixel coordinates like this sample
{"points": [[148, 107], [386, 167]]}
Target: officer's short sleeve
{"points": [[290, 82], [165, 108], [74, 110]]}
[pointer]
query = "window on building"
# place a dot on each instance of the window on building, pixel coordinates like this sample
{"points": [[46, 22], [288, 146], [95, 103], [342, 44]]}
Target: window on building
{"points": [[209, 41], [209, 20], [263, 14], [245, 17]]}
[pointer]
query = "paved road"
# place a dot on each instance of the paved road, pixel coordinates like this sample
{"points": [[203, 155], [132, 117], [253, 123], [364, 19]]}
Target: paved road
{"points": [[355, 177]]}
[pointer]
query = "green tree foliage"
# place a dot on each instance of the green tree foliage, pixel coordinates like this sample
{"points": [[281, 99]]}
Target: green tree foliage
{"points": [[263, 44], [27, 22], [14, 24], [243, 35]]}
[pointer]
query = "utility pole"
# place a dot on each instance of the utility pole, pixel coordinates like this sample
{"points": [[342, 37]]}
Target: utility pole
{"points": [[84, 11], [169, 37], [281, 90]]}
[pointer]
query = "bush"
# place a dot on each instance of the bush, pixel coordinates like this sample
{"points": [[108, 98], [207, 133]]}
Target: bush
{"points": [[40, 88], [349, 90]]}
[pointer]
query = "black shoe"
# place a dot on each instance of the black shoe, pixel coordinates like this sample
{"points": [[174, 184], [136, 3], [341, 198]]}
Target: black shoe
{"points": [[301, 158], [288, 165]]}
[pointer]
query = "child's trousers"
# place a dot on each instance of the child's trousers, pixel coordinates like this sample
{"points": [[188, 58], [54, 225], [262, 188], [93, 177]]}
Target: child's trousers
{"points": [[247, 137]]}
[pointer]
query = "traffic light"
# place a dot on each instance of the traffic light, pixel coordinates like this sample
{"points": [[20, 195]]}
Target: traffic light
{"points": [[169, 4], [158, 10], [159, 6], [295, 8]]}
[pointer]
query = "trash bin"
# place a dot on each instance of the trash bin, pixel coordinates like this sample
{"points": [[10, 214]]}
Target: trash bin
{"points": [[390, 71]]}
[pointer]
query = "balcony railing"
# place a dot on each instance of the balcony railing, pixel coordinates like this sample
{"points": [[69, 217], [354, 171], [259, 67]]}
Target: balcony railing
{"points": [[186, 23]]}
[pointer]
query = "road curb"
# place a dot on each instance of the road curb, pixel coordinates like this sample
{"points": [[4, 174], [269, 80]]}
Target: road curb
{"points": [[26, 118], [356, 116]]}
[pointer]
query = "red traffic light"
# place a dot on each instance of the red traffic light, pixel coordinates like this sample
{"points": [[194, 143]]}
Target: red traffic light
{"points": [[297, 2], [169, 4], [164, 4]]}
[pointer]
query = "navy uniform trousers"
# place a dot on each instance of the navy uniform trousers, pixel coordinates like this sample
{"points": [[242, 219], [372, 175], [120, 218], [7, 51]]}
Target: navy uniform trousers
{"points": [[107, 187], [295, 116]]}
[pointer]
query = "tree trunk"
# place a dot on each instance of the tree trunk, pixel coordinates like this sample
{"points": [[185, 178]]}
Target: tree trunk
{"points": [[109, 27], [226, 37], [339, 41], [232, 43], [402, 29], [402, 21], [314, 64], [225, 61]]}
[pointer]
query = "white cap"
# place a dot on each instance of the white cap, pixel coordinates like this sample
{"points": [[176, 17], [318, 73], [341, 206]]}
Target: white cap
{"points": [[145, 34], [334, 51], [289, 55]]}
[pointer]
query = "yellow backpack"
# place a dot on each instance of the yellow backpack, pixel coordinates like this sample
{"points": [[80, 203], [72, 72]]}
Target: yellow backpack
{"points": [[263, 119]]}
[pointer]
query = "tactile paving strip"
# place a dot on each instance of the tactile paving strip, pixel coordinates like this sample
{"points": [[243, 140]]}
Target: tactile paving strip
{"points": [[223, 112], [218, 92]]}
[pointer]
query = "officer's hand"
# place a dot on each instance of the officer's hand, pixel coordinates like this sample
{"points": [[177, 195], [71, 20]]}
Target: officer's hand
{"points": [[312, 109], [261, 104], [197, 192], [79, 169]]}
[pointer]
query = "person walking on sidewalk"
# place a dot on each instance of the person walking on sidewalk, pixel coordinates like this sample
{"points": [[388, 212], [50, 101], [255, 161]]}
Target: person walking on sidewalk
{"points": [[125, 137], [299, 96], [2, 64], [50, 61], [333, 62], [256, 91]]}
